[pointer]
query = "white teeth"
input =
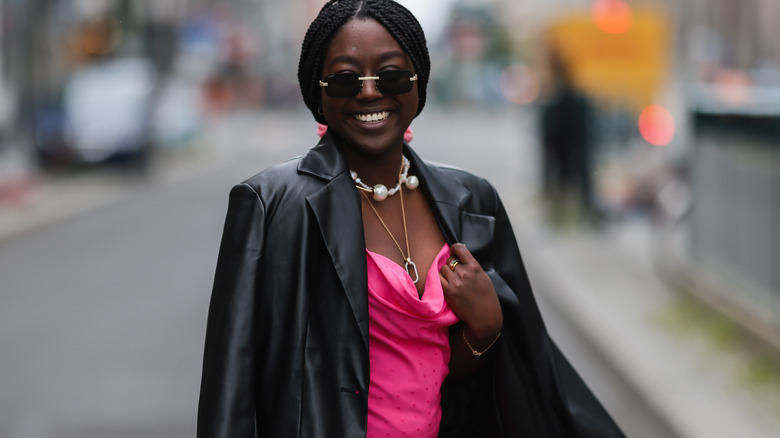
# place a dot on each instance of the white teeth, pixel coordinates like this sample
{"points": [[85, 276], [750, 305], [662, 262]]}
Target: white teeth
{"points": [[372, 118]]}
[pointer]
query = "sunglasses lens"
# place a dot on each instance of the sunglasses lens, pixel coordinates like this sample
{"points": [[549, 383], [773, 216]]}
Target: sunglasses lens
{"points": [[349, 84], [395, 81], [342, 85]]}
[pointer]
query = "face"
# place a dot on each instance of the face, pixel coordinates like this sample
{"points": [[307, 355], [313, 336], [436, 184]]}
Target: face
{"points": [[369, 122]]}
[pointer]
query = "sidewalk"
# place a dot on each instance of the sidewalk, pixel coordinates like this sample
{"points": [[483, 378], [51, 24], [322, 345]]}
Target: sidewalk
{"points": [[605, 283]]}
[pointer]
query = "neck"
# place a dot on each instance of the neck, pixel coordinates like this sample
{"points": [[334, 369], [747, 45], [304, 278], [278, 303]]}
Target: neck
{"points": [[375, 169]]}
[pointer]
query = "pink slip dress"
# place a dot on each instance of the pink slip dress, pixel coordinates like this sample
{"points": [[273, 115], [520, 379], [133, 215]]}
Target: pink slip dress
{"points": [[409, 349]]}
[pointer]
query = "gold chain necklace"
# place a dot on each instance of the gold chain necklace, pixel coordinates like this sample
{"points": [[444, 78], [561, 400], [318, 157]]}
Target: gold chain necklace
{"points": [[409, 265]]}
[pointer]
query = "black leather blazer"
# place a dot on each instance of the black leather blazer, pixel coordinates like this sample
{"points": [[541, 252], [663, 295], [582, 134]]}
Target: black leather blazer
{"points": [[286, 352]]}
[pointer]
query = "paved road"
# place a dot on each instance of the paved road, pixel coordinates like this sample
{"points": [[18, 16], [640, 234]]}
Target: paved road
{"points": [[102, 316]]}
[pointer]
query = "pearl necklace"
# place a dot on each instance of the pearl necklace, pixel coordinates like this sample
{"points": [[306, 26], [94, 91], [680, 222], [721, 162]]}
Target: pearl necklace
{"points": [[380, 192]]}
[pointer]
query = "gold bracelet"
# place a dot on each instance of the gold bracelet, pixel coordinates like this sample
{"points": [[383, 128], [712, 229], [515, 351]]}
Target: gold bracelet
{"points": [[475, 352]]}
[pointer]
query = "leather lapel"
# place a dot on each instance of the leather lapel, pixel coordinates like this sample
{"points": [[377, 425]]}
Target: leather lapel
{"points": [[336, 208], [449, 200], [447, 195]]}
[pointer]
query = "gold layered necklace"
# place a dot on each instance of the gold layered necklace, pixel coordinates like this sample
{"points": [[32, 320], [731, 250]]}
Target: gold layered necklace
{"points": [[409, 265]]}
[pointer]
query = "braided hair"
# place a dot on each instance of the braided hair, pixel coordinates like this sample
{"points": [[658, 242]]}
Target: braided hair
{"points": [[398, 21]]}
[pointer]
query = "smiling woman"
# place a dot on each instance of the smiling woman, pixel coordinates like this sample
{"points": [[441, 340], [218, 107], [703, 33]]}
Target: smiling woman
{"points": [[361, 291]]}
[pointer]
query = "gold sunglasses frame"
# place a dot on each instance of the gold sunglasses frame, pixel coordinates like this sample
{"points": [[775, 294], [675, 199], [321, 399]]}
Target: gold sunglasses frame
{"points": [[368, 78]]}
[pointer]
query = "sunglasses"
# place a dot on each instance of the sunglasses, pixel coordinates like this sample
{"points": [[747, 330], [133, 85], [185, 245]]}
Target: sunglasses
{"points": [[350, 84]]}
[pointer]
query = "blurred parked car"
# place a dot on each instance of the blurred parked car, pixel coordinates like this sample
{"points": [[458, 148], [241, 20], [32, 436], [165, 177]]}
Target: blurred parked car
{"points": [[104, 114]]}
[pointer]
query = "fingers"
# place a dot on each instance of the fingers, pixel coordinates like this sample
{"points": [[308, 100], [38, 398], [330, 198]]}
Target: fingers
{"points": [[446, 274], [444, 282], [448, 271], [452, 263], [460, 257], [460, 251], [460, 267]]}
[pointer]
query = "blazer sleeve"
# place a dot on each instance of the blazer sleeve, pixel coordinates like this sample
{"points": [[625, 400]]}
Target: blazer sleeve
{"points": [[227, 401], [540, 393]]}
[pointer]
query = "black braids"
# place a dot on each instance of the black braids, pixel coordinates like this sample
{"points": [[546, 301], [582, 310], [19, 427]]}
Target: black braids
{"points": [[313, 49], [399, 22], [408, 32], [413, 35], [405, 28]]}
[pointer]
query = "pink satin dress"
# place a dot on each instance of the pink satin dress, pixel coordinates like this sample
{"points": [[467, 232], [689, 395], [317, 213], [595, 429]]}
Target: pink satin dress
{"points": [[409, 349]]}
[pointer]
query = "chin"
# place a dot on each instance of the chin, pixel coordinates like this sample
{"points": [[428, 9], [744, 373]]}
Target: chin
{"points": [[372, 144]]}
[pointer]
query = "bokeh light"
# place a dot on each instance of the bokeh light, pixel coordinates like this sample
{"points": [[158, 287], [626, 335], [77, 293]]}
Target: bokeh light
{"points": [[519, 84], [98, 36], [733, 88], [656, 124], [612, 16]]}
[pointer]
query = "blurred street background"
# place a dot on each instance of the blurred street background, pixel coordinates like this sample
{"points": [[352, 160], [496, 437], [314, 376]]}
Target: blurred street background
{"points": [[634, 144]]}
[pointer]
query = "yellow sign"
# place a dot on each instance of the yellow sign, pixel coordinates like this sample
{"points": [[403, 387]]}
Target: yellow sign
{"points": [[625, 69]]}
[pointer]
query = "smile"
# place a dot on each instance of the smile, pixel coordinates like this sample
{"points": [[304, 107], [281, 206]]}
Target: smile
{"points": [[373, 117]]}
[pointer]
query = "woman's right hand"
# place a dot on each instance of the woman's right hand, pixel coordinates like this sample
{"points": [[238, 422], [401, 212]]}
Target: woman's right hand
{"points": [[470, 294]]}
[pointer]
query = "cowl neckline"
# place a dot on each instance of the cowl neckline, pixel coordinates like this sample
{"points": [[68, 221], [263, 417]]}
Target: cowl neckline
{"points": [[390, 283]]}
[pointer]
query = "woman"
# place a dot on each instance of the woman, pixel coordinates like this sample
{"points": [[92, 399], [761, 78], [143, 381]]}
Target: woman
{"points": [[361, 291]]}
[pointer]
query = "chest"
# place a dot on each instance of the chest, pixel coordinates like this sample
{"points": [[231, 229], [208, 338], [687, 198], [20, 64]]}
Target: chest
{"points": [[402, 231]]}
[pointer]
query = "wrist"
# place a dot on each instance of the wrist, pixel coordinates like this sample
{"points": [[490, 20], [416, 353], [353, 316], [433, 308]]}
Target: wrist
{"points": [[484, 330], [481, 343]]}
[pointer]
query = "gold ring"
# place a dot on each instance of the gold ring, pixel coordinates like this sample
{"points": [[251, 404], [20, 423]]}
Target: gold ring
{"points": [[453, 263]]}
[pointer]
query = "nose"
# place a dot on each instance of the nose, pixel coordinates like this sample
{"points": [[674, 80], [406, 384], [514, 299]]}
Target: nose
{"points": [[369, 90]]}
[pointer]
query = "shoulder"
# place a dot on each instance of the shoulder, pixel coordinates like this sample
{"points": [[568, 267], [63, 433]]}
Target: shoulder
{"points": [[281, 180], [280, 186]]}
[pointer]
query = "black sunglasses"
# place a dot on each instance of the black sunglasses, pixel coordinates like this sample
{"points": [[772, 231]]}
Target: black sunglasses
{"points": [[350, 84]]}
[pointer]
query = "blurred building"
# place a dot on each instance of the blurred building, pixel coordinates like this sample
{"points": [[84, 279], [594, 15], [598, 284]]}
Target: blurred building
{"points": [[734, 96]]}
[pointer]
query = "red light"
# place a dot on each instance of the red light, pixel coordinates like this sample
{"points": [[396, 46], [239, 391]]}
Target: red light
{"points": [[656, 125], [612, 16]]}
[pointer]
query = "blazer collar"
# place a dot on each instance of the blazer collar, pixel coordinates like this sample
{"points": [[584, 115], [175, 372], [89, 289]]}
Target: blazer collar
{"points": [[446, 194], [324, 161]]}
